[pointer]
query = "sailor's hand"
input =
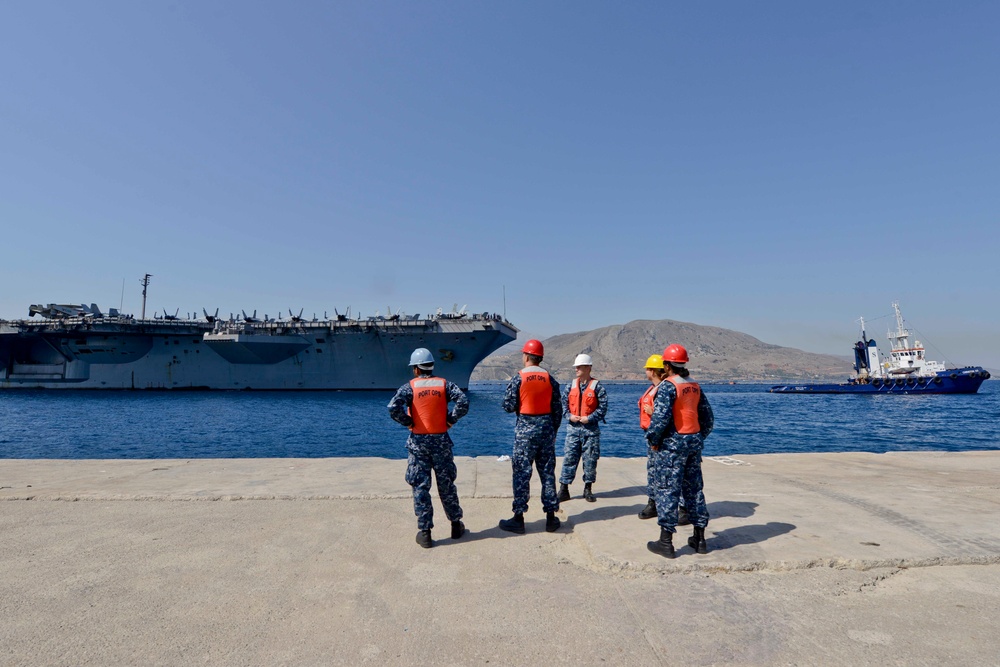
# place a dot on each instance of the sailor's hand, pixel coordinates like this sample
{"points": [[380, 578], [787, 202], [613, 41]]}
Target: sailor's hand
{"points": [[573, 419], [584, 419], [648, 409]]}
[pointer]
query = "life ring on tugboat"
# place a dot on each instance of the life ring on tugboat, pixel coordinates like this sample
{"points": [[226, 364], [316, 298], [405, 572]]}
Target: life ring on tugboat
{"points": [[911, 382], [954, 376], [900, 382], [986, 375], [876, 383], [937, 380], [922, 381]]}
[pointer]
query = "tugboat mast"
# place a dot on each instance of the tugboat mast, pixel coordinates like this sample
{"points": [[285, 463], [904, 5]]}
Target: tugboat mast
{"points": [[902, 335]]}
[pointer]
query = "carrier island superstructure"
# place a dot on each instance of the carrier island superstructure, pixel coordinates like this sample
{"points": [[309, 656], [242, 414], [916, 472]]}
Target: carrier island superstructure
{"points": [[79, 347]]}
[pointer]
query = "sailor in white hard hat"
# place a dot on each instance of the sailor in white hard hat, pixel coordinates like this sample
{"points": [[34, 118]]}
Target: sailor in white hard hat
{"points": [[584, 406]]}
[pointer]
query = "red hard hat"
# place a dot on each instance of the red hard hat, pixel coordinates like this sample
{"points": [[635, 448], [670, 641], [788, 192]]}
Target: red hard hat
{"points": [[675, 354], [534, 347]]}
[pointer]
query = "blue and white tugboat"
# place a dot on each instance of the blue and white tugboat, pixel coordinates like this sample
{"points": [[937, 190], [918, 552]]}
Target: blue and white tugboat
{"points": [[905, 371]]}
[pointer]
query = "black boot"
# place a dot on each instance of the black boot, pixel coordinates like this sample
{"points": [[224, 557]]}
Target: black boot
{"points": [[457, 529], [697, 541], [552, 522], [424, 539], [649, 511], [663, 546], [588, 495], [682, 516], [515, 524], [563, 493]]}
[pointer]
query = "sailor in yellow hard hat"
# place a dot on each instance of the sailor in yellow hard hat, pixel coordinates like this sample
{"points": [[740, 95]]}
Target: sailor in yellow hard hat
{"points": [[654, 373]]}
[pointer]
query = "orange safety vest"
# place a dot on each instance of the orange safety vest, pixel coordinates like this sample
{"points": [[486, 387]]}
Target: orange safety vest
{"points": [[647, 400], [536, 392], [429, 409], [583, 403], [686, 405]]}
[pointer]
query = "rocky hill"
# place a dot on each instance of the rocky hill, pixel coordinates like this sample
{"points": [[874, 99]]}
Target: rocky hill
{"points": [[620, 351]]}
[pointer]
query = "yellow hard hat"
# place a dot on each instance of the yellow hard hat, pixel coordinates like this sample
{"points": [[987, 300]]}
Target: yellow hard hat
{"points": [[654, 361]]}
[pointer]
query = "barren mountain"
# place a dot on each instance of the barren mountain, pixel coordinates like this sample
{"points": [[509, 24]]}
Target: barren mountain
{"points": [[620, 351]]}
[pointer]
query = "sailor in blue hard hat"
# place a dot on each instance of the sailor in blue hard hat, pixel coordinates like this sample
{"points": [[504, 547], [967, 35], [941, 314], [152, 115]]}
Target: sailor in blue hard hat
{"points": [[421, 405]]}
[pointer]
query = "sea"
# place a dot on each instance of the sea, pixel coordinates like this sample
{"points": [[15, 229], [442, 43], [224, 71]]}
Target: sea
{"points": [[39, 424]]}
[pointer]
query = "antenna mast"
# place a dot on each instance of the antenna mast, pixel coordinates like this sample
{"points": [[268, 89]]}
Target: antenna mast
{"points": [[145, 284]]}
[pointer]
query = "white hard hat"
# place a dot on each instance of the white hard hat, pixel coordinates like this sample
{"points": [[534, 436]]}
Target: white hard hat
{"points": [[583, 360]]}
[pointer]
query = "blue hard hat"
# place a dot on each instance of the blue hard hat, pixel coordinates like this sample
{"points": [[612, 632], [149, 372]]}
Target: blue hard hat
{"points": [[421, 357]]}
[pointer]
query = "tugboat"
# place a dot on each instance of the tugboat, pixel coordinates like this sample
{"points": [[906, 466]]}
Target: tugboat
{"points": [[905, 371]]}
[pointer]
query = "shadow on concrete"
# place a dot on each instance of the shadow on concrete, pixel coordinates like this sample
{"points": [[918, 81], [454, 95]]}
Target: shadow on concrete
{"points": [[599, 513], [731, 508], [530, 527], [732, 537], [475, 536], [626, 492]]}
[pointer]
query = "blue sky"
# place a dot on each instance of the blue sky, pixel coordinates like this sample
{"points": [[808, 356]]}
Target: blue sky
{"points": [[778, 168]]}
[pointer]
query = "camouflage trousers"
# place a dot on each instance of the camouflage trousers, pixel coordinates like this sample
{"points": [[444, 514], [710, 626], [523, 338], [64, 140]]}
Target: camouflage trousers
{"points": [[580, 442], [650, 479], [427, 453], [534, 446], [676, 470]]}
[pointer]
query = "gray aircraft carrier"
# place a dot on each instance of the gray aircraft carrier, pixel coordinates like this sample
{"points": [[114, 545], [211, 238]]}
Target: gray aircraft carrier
{"points": [[80, 347]]}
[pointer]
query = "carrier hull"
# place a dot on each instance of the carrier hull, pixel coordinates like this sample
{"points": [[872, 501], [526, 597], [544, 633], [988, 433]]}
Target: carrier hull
{"points": [[120, 353]]}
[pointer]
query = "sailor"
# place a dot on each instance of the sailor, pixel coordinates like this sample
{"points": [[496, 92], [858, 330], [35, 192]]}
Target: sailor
{"points": [[421, 405], [682, 418], [585, 405], [654, 373], [533, 395]]}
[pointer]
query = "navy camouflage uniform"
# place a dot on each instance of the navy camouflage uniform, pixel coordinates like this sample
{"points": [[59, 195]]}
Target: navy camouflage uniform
{"points": [[432, 451], [534, 443], [583, 440], [676, 466]]}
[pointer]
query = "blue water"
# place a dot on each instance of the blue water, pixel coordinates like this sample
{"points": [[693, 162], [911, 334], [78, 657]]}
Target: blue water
{"points": [[98, 425]]}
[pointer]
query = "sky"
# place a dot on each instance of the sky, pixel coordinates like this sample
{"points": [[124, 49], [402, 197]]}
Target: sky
{"points": [[776, 168]]}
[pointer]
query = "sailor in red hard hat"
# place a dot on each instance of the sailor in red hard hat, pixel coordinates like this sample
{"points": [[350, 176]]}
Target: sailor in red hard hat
{"points": [[682, 418], [534, 396]]}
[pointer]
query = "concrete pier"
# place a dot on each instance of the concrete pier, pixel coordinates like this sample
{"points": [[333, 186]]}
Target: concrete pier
{"points": [[813, 559]]}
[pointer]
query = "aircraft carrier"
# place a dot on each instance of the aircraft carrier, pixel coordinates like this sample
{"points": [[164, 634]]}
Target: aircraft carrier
{"points": [[80, 347]]}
